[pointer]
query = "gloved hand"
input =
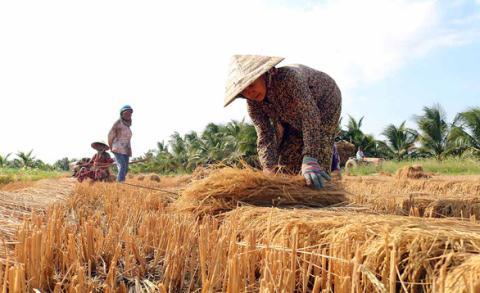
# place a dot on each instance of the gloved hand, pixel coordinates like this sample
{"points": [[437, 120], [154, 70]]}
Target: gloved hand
{"points": [[313, 173]]}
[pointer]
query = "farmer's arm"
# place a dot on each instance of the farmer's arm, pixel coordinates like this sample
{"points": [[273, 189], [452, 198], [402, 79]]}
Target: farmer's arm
{"points": [[266, 146], [92, 160], [112, 134]]}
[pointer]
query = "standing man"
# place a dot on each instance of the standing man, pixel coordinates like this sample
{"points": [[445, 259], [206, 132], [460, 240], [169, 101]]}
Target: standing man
{"points": [[295, 110], [119, 139]]}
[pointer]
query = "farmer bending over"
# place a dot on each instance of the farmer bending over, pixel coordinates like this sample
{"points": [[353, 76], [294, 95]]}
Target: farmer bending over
{"points": [[295, 110]]}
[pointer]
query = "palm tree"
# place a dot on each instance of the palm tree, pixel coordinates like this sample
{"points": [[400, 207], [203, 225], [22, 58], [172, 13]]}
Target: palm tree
{"points": [[353, 133], [27, 160], [159, 160], [399, 139], [433, 130], [4, 160], [465, 132]]}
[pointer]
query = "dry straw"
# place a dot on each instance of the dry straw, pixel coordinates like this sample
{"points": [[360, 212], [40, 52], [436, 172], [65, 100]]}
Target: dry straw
{"points": [[464, 278], [435, 197], [224, 189], [117, 238], [411, 172], [17, 205]]}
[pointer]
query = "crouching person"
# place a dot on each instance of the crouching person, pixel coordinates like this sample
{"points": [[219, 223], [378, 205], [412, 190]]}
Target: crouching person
{"points": [[98, 167]]}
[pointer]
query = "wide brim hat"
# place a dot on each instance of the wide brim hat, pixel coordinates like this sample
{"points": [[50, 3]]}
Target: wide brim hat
{"points": [[245, 69], [99, 145]]}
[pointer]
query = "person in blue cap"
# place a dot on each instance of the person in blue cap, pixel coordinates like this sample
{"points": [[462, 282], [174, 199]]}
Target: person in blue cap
{"points": [[119, 139]]}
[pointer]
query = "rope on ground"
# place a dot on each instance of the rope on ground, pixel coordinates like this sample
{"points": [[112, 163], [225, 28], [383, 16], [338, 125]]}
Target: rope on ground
{"points": [[152, 188]]}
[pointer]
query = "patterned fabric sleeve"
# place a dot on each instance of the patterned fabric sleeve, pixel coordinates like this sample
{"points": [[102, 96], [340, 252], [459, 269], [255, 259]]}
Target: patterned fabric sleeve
{"points": [[266, 145], [315, 138], [113, 133]]}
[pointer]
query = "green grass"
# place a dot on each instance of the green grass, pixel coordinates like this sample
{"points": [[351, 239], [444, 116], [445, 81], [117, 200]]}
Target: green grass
{"points": [[8, 175], [450, 166]]}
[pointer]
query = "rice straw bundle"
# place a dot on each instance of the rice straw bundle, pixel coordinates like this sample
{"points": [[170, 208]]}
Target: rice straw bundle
{"points": [[400, 252], [442, 196], [465, 278], [454, 207], [154, 177], [345, 151], [411, 172], [225, 188], [438, 186]]}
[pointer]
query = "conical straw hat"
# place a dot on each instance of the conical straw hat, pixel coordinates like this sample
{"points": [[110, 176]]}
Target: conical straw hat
{"points": [[245, 69], [99, 145]]}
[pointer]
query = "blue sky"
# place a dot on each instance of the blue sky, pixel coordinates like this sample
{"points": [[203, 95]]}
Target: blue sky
{"points": [[67, 67], [448, 76]]}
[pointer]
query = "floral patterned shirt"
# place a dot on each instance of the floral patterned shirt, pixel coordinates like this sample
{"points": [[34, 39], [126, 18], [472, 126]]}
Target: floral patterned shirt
{"points": [[303, 98]]}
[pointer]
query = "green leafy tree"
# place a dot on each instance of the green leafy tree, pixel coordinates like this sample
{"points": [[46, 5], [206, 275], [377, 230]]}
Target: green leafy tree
{"points": [[39, 164], [62, 164], [230, 144], [354, 134], [399, 140], [26, 159], [4, 160], [465, 132], [434, 131]]}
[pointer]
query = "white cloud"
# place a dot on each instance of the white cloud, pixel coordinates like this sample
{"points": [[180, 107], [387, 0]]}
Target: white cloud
{"points": [[66, 67]]}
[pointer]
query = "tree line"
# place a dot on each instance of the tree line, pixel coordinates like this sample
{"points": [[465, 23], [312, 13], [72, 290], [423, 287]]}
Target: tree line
{"points": [[235, 143], [26, 160]]}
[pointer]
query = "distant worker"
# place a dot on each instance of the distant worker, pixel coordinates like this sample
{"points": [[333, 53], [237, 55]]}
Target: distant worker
{"points": [[119, 139], [295, 110], [98, 167], [335, 159], [360, 155]]}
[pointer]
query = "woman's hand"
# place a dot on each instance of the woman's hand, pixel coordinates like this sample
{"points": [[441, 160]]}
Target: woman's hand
{"points": [[313, 173]]}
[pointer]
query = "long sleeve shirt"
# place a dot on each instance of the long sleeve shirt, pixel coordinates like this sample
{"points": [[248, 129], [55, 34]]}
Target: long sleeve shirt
{"points": [[119, 138], [306, 100]]}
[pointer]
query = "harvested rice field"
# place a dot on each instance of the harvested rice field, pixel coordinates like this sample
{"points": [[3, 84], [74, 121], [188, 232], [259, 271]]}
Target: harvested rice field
{"points": [[232, 230]]}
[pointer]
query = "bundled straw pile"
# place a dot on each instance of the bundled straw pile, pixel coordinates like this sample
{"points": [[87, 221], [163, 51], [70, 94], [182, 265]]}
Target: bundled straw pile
{"points": [[154, 177], [345, 151], [225, 188], [411, 172]]}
